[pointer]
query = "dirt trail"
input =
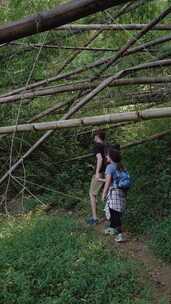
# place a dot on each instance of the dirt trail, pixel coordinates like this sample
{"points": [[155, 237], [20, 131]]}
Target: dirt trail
{"points": [[137, 249]]}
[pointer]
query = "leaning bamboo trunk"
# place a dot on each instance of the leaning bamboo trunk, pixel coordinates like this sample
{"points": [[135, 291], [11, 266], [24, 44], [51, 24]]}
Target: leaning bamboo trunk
{"points": [[60, 15], [97, 63], [90, 121], [84, 86], [90, 96]]}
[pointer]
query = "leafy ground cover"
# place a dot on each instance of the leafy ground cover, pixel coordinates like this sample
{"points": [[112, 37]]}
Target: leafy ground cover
{"points": [[54, 260]]}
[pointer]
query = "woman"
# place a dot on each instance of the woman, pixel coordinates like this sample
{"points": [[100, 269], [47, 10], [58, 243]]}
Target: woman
{"points": [[114, 196]]}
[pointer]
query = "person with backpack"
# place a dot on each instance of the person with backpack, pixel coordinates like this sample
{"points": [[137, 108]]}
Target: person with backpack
{"points": [[117, 183]]}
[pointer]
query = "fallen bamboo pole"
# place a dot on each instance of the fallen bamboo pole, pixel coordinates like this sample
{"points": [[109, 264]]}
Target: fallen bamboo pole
{"points": [[88, 97], [78, 52], [30, 46], [117, 102], [84, 86], [112, 27], [62, 47], [148, 45], [92, 39], [132, 41], [73, 88], [90, 121], [57, 77], [124, 50], [90, 66], [58, 16], [148, 98]]}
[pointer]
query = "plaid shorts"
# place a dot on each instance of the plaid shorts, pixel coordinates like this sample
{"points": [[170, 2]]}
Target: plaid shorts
{"points": [[116, 199]]}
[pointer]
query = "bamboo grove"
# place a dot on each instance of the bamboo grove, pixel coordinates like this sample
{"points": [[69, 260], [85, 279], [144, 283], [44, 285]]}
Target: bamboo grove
{"points": [[85, 87]]}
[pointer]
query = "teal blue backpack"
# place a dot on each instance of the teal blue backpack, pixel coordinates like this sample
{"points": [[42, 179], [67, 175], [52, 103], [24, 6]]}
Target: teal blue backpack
{"points": [[123, 180]]}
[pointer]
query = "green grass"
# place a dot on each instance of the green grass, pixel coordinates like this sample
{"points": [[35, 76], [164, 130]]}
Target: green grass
{"points": [[161, 240], [53, 260]]}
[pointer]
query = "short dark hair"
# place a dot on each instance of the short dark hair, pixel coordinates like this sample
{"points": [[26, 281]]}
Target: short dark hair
{"points": [[100, 133], [113, 154]]}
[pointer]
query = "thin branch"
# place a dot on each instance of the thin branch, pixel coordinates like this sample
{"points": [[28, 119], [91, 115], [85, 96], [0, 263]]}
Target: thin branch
{"points": [[112, 27]]}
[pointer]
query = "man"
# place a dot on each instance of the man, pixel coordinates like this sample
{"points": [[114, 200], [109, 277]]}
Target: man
{"points": [[96, 185]]}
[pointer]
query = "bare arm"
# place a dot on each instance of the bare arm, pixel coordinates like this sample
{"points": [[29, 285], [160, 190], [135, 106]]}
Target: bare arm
{"points": [[108, 181], [98, 165]]}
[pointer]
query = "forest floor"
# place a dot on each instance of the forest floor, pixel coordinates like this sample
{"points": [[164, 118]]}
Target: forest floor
{"points": [[137, 249]]}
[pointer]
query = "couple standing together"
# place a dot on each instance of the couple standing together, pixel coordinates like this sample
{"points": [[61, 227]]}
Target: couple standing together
{"points": [[108, 164]]}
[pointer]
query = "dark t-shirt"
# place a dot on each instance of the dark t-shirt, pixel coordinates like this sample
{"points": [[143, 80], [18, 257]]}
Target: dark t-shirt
{"points": [[100, 148]]}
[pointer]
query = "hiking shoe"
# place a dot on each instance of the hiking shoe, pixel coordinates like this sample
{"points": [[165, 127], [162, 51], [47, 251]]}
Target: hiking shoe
{"points": [[110, 231], [92, 221], [120, 238]]}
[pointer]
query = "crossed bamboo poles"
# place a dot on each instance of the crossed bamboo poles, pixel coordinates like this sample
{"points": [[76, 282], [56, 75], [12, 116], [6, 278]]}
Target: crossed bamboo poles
{"points": [[99, 87]]}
